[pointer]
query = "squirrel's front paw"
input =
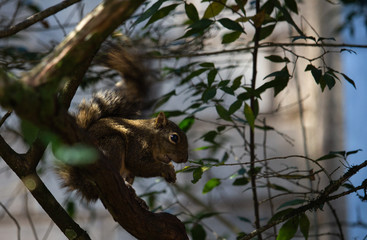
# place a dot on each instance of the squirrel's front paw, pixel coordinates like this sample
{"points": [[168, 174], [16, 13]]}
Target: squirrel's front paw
{"points": [[170, 175], [142, 203], [132, 192]]}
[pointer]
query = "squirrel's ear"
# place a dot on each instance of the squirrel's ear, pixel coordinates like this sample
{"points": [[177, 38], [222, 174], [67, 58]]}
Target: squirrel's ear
{"points": [[161, 120]]}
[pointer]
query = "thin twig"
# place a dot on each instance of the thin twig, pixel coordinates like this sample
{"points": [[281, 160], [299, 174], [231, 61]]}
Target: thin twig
{"points": [[3, 119], [252, 130], [48, 231], [263, 45], [13, 218], [29, 216], [271, 205], [37, 17], [337, 220]]}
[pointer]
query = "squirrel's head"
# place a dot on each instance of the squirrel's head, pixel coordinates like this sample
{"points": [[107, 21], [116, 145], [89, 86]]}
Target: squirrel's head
{"points": [[170, 141]]}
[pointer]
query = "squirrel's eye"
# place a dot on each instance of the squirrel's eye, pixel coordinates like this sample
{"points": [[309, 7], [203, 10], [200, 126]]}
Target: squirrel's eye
{"points": [[173, 138]]}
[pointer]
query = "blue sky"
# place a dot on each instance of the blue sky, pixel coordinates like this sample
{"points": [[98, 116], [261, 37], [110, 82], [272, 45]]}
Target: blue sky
{"points": [[355, 66]]}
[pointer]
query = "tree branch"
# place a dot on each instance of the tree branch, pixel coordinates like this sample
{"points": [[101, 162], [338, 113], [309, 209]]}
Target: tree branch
{"points": [[262, 45], [40, 192], [323, 197], [252, 130], [36, 18]]}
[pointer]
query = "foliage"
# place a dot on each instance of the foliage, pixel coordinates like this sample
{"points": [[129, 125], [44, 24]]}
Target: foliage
{"points": [[213, 80]]}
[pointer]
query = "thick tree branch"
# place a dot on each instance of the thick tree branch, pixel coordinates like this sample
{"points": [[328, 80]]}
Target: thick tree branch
{"points": [[36, 18], [121, 203], [34, 184]]}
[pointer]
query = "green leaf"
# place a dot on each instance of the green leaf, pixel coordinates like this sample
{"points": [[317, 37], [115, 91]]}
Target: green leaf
{"points": [[328, 156], [230, 24], [161, 13], [221, 128], [70, 208], [78, 154], [329, 80], [280, 214], [29, 131], [241, 171], [277, 59], [289, 229], [249, 115], [282, 73], [244, 219], [204, 215], [279, 83], [211, 184], [164, 99], [352, 152], [323, 38], [197, 27], [240, 181], [266, 31], [236, 83], [174, 113], [225, 157], [303, 37], [235, 106], [316, 73], [210, 136], [207, 65], [304, 225], [349, 80], [227, 90], [196, 175], [241, 4], [186, 124], [30, 5], [223, 113], [202, 148], [201, 24], [191, 12], [223, 83], [278, 187], [230, 37], [214, 8], [192, 75], [254, 171], [198, 232], [149, 12], [208, 94], [292, 203], [288, 17], [292, 5], [211, 76]]}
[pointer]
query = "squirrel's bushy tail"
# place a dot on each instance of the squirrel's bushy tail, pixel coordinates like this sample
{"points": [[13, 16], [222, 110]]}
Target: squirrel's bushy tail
{"points": [[126, 99], [75, 179], [109, 103]]}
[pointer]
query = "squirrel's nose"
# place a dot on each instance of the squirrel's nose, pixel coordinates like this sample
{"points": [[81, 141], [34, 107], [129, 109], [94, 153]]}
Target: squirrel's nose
{"points": [[182, 158]]}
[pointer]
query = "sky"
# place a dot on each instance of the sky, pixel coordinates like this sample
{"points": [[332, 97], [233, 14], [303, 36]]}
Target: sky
{"points": [[355, 110]]}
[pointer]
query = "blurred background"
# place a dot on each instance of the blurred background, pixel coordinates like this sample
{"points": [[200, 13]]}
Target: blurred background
{"points": [[323, 122]]}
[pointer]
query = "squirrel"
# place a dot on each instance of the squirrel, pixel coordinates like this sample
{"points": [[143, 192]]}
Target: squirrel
{"points": [[137, 147]]}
